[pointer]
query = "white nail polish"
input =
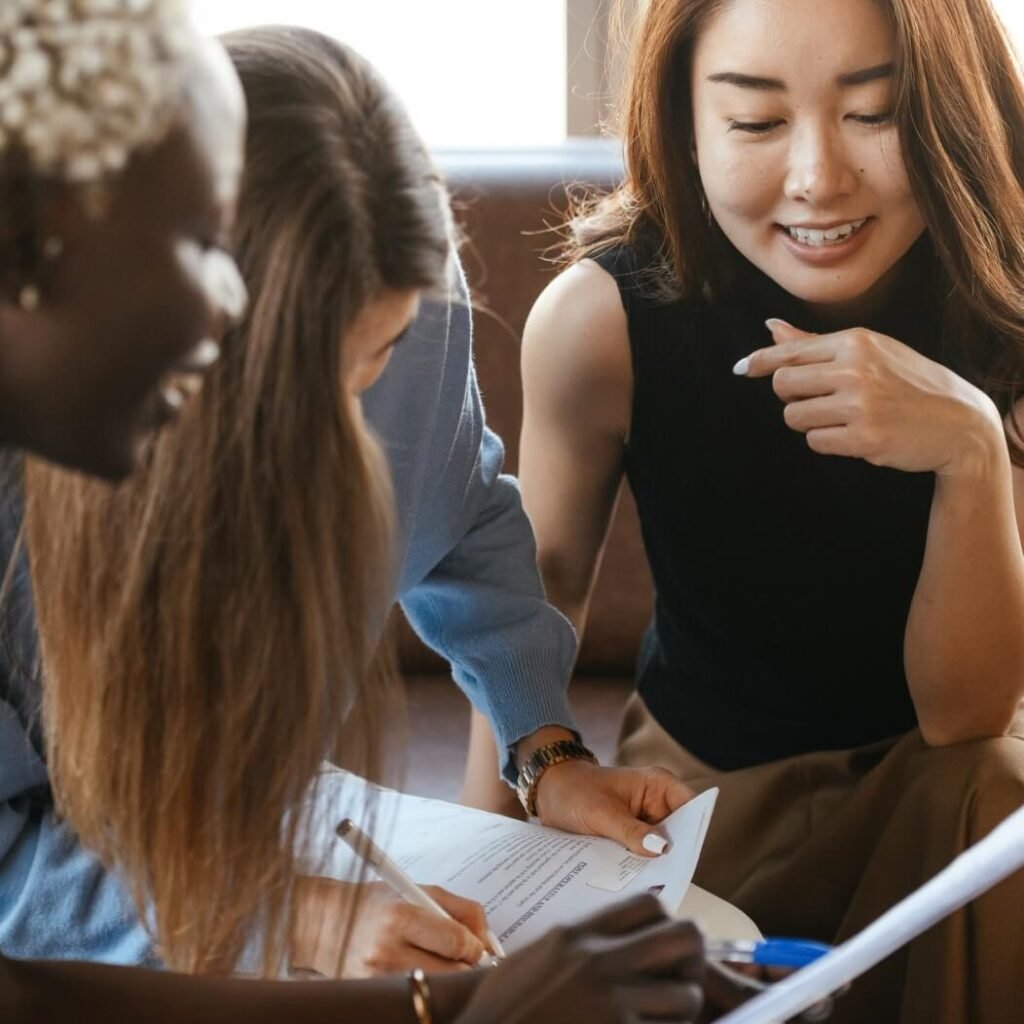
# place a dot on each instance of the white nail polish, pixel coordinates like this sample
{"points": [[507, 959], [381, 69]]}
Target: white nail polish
{"points": [[653, 843], [742, 367], [773, 322]]}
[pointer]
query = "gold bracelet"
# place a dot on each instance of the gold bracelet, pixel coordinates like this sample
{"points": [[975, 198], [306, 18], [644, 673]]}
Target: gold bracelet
{"points": [[422, 1002], [540, 761]]}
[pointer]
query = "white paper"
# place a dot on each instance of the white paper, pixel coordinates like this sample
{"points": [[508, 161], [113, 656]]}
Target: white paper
{"points": [[989, 861], [528, 878]]}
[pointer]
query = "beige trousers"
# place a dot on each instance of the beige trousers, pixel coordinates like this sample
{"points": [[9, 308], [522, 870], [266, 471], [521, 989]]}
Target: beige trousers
{"points": [[819, 845]]}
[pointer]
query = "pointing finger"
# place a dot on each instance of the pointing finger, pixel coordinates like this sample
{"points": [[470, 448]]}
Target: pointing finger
{"points": [[784, 331], [765, 361]]}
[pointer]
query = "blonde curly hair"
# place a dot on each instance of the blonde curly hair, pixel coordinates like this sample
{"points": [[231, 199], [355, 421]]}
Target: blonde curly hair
{"points": [[86, 83]]}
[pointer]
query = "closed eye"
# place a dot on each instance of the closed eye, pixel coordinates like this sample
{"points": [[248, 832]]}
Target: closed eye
{"points": [[754, 127], [386, 349], [874, 120]]}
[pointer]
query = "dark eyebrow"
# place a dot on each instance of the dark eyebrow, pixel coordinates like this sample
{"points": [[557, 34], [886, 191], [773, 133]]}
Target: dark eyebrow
{"points": [[864, 75], [748, 81]]}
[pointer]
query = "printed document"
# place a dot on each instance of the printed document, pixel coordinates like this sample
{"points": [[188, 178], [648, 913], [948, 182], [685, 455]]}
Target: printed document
{"points": [[528, 877]]}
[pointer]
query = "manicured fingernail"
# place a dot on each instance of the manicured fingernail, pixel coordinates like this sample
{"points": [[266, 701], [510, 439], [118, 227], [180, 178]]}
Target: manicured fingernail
{"points": [[742, 368], [653, 843], [772, 323]]}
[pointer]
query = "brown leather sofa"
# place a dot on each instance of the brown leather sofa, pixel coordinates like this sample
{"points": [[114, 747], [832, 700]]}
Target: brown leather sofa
{"points": [[504, 201]]}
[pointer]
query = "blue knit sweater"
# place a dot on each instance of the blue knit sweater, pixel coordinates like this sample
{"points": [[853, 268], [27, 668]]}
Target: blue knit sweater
{"points": [[468, 584]]}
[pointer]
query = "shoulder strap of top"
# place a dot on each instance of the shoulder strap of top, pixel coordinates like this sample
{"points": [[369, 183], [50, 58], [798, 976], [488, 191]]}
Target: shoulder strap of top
{"points": [[622, 263]]}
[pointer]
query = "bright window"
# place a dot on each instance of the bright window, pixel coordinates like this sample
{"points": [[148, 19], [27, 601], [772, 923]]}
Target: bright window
{"points": [[475, 72], [1012, 13], [470, 72]]}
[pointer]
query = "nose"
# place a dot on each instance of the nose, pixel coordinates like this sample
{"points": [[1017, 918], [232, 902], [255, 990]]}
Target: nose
{"points": [[819, 171]]}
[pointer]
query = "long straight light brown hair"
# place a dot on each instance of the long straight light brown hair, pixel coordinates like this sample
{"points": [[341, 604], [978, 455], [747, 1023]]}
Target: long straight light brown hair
{"points": [[959, 107], [208, 628]]}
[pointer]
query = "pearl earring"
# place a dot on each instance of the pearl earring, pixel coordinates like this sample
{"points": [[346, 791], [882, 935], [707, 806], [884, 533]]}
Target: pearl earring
{"points": [[29, 298]]}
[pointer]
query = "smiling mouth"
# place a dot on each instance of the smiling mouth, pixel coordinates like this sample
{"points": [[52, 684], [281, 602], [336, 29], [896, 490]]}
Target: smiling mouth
{"points": [[823, 238]]}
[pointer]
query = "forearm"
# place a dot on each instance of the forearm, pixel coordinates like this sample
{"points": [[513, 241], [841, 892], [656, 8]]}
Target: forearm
{"points": [[32, 991], [570, 591], [482, 786], [964, 643]]}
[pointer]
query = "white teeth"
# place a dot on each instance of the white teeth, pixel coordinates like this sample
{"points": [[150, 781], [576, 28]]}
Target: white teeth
{"points": [[818, 238]]}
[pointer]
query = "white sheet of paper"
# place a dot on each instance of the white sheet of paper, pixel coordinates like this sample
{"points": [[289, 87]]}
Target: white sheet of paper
{"points": [[989, 861], [528, 878]]}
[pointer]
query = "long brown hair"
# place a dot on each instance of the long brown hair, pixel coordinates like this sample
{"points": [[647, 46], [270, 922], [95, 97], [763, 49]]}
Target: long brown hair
{"points": [[959, 106], [209, 627]]}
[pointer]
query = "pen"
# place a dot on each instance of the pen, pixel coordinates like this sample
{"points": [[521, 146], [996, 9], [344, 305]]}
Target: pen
{"points": [[766, 952], [388, 871]]}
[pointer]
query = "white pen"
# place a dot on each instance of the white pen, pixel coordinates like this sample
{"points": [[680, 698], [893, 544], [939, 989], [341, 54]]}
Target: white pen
{"points": [[388, 871]]}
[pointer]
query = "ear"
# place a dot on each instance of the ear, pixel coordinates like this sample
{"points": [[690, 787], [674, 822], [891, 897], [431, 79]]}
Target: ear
{"points": [[20, 228], [44, 215]]}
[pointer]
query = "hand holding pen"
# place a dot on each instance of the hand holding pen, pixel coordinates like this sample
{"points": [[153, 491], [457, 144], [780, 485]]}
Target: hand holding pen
{"points": [[787, 954], [415, 896], [762, 961]]}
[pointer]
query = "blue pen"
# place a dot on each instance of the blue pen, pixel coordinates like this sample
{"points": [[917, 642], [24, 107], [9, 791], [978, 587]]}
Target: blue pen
{"points": [[766, 952]]}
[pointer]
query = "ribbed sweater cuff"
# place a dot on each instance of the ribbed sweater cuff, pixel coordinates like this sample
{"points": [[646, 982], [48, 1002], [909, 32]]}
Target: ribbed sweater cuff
{"points": [[524, 692]]}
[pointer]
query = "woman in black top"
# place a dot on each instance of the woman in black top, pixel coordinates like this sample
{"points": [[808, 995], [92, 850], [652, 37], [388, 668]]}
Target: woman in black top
{"points": [[827, 500]]}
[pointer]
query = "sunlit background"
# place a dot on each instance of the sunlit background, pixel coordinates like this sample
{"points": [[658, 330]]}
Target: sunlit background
{"points": [[471, 72]]}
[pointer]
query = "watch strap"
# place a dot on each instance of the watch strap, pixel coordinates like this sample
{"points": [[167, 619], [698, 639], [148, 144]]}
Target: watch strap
{"points": [[540, 761]]}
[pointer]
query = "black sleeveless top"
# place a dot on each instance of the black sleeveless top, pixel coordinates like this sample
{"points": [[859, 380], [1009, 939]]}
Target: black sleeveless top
{"points": [[783, 577]]}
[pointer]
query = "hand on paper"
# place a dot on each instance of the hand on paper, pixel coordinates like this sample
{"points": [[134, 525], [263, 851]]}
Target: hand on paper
{"points": [[389, 935], [619, 803], [868, 396], [625, 964]]}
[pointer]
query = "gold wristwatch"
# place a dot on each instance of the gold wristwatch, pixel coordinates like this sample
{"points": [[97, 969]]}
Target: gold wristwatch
{"points": [[540, 761]]}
